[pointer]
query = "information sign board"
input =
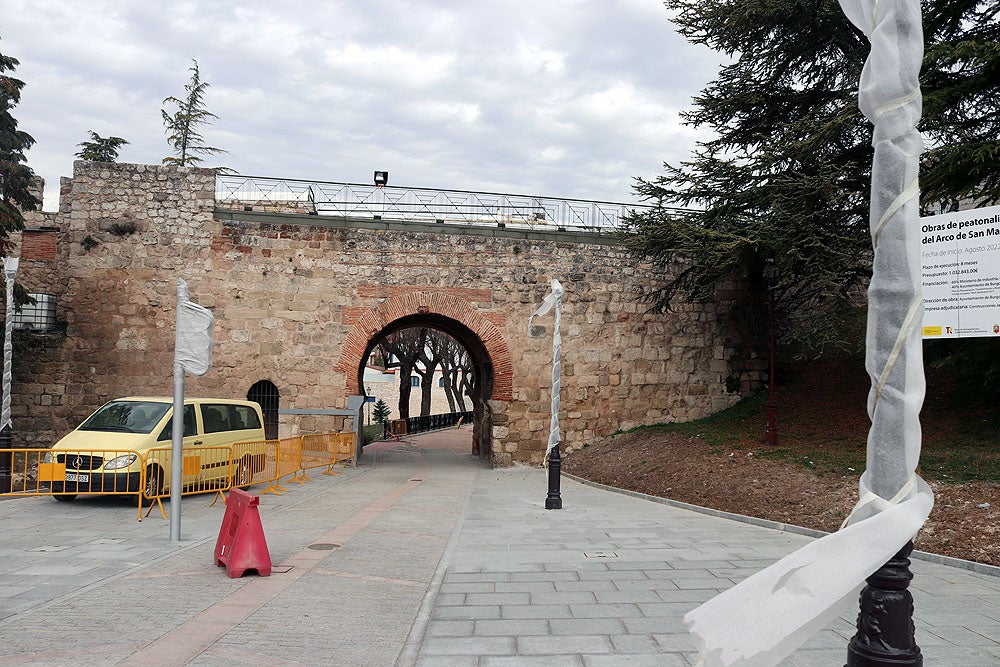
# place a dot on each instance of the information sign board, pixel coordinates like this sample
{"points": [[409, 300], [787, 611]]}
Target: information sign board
{"points": [[960, 254]]}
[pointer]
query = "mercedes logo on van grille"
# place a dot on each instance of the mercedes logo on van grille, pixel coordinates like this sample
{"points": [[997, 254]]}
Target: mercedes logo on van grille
{"points": [[78, 462]]}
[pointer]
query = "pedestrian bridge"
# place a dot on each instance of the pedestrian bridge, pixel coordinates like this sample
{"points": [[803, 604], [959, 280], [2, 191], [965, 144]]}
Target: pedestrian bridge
{"points": [[303, 277]]}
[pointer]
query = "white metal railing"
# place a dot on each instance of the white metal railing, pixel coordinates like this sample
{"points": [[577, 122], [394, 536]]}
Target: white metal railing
{"points": [[354, 200]]}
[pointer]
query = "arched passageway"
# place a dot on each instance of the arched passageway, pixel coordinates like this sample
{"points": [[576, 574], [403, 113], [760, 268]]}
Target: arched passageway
{"points": [[484, 342]]}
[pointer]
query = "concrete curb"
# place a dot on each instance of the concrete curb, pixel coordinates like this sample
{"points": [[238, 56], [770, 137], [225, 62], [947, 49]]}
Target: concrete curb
{"points": [[972, 566]]}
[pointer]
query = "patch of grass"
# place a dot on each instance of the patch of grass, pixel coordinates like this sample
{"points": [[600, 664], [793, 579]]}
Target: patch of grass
{"points": [[960, 464], [822, 426], [722, 428]]}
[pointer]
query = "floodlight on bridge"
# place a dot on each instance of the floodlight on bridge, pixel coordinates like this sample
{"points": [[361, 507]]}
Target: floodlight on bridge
{"points": [[381, 179]]}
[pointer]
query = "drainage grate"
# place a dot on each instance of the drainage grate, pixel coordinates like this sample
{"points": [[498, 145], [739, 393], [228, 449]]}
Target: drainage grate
{"points": [[600, 554], [324, 546]]}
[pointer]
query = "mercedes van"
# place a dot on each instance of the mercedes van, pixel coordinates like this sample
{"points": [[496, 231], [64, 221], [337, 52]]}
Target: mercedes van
{"points": [[112, 448]]}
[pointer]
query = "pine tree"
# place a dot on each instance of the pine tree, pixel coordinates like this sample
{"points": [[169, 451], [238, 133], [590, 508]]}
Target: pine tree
{"points": [[101, 149], [777, 198], [182, 126], [381, 411], [15, 176]]}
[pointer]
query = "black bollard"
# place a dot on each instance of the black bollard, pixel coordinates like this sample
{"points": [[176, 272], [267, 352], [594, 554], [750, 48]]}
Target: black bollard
{"points": [[553, 501], [885, 623], [5, 459]]}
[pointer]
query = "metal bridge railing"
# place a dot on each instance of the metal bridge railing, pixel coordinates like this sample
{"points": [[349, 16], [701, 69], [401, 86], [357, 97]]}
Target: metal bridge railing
{"points": [[354, 200]]}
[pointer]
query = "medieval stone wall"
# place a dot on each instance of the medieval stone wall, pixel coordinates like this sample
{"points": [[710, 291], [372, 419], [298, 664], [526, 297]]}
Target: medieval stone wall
{"points": [[287, 292]]}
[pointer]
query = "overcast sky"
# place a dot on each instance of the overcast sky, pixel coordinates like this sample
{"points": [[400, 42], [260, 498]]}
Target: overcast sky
{"points": [[560, 98]]}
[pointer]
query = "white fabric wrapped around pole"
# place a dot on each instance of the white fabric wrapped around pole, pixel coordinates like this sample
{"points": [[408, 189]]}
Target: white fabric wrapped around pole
{"points": [[553, 299], [766, 617], [193, 350], [10, 275]]}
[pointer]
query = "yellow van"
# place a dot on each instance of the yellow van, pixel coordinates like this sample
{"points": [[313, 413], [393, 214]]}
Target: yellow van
{"points": [[112, 448]]}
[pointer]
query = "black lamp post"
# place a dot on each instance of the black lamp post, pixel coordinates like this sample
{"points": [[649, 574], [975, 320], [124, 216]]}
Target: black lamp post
{"points": [[885, 633], [553, 501]]}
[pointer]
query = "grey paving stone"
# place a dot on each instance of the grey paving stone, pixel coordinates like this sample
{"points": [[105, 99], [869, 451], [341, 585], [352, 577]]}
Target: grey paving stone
{"points": [[636, 660], [449, 661], [633, 644], [654, 625], [467, 587], [542, 611], [586, 626], [568, 644], [627, 596], [606, 610], [531, 661], [523, 587], [512, 627], [450, 628], [474, 599], [563, 597], [468, 646]]}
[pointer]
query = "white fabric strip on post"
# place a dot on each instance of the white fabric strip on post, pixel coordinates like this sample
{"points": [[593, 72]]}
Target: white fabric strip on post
{"points": [[193, 348], [766, 617], [553, 299], [10, 275]]}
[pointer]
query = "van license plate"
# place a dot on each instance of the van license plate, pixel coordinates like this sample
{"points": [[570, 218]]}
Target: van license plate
{"points": [[74, 477]]}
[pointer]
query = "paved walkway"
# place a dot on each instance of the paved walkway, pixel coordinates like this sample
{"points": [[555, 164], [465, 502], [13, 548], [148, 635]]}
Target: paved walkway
{"points": [[423, 557]]}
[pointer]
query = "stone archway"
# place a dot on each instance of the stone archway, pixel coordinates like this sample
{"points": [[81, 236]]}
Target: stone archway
{"points": [[455, 316]]}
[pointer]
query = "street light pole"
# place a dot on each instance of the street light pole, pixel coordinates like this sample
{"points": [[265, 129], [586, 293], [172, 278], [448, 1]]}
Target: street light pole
{"points": [[6, 428], [553, 501]]}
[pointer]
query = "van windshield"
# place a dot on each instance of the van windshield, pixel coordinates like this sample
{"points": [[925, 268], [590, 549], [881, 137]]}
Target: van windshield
{"points": [[126, 417]]}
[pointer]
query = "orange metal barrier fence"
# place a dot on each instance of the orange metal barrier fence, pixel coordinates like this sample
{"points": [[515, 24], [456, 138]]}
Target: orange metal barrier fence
{"points": [[347, 444], [67, 474], [203, 469], [318, 450]]}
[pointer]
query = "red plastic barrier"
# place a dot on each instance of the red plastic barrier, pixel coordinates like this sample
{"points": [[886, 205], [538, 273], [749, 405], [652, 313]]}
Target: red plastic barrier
{"points": [[241, 545]]}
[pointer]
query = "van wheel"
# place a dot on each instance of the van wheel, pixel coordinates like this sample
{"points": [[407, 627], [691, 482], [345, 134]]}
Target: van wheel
{"points": [[244, 473], [64, 498], [154, 483]]}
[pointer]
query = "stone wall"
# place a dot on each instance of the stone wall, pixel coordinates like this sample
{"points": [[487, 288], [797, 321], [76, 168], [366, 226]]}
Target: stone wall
{"points": [[288, 291]]}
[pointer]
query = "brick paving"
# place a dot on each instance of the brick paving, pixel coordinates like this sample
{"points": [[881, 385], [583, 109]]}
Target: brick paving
{"points": [[425, 558]]}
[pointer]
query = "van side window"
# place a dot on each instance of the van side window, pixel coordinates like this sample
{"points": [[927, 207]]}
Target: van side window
{"points": [[242, 417], [190, 425], [215, 418]]}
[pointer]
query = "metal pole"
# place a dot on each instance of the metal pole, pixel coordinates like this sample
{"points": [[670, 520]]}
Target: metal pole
{"points": [[6, 426], [177, 430], [889, 96], [553, 500]]}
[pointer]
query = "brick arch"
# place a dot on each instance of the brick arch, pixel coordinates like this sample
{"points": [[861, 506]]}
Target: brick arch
{"points": [[427, 304]]}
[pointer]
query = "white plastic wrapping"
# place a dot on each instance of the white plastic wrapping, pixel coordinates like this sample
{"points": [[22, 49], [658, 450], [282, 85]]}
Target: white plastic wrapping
{"points": [[10, 274], [553, 300], [766, 617], [193, 347]]}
